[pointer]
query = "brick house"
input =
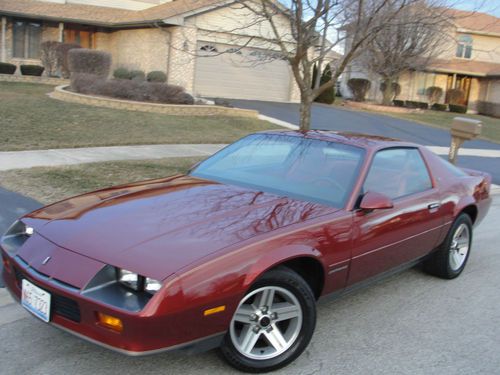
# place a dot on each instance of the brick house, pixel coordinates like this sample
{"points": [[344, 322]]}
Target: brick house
{"points": [[183, 38], [470, 61]]}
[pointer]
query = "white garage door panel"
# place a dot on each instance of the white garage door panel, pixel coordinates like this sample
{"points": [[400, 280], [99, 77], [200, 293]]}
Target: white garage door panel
{"points": [[230, 75]]}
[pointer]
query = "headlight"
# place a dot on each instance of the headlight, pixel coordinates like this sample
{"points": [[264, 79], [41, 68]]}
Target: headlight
{"points": [[137, 282], [16, 236]]}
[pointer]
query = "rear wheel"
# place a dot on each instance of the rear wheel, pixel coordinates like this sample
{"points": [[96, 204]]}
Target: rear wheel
{"points": [[450, 259], [273, 323]]}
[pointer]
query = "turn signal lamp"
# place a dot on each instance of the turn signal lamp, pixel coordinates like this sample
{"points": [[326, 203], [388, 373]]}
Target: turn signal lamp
{"points": [[110, 322]]}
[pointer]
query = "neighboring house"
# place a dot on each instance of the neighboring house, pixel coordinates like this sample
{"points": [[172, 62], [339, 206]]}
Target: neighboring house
{"points": [[183, 38], [470, 62]]}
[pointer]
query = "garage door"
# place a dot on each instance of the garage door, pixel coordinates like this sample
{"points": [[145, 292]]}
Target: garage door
{"points": [[240, 74]]}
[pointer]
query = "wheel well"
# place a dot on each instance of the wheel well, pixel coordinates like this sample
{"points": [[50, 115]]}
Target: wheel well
{"points": [[310, 270], [471, 210]]}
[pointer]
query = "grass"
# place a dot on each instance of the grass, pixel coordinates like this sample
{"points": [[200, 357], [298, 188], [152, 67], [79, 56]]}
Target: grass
{"points": [[31, 120], [491, 125], [50, 184]]}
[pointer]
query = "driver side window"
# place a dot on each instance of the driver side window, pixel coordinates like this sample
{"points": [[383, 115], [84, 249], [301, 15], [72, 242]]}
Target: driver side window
{"points": [[398, 172]]}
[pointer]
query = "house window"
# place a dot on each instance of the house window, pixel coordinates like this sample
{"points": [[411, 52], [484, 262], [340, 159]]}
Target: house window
{"points": [[27, 39], [208, 48], [464, 47]]}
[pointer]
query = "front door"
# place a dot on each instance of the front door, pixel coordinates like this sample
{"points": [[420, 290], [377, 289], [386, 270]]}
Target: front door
{"points": [[387, 238], [84, 38]]}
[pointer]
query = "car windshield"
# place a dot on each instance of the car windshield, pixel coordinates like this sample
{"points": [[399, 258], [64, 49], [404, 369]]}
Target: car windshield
{"points": [[301, 168]]}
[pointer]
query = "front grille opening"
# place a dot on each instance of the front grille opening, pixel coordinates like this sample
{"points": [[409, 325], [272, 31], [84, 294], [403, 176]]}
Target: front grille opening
{"points": [[60, 305]]}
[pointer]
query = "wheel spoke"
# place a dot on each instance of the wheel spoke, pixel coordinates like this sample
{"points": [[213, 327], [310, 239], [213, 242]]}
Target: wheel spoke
{"points": [[243, 314], [250, 338], [265, 298], [275, 338], [285, 311]]}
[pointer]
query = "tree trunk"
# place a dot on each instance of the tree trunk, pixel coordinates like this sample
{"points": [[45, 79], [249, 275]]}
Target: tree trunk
{"points": [[305, 112], [388, 93]]}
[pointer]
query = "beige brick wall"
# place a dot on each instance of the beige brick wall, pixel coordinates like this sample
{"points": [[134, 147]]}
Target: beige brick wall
{"points": [[143, 49], [181, 64]]}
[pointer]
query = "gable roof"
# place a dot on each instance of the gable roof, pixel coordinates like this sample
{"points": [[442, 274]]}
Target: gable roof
{"points": [[100, 16], [475, 21]]}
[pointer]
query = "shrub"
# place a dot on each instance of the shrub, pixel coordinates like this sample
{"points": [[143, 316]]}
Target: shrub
{"points": [[32, 70], [411, 104], [122, 73], [396, 88], [457, 108], [455, 96], [422, 105], [6, 68], [434, 94], [488, 108], [83, 60], [48, 56], [157, 76], [63, 58], [398, 103], [137, 75], [327, 96], [439, 107], [154, 92], [359, 88]]}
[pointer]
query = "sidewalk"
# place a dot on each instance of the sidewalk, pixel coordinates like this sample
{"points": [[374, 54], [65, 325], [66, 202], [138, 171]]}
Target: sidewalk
{"points": [[68, 156]]}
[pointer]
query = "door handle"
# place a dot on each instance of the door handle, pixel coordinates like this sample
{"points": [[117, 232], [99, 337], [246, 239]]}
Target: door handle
{"points": [[434, 206]]}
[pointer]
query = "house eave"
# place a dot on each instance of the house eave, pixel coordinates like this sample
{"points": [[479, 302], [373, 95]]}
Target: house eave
{"points": [[477, 32]]}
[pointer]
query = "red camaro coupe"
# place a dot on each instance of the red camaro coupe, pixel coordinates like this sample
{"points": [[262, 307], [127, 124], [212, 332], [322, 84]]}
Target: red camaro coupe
{"points": [[235, 253]]}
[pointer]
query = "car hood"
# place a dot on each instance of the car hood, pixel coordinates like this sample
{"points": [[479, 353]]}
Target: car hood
{"points": [[157, 227]]}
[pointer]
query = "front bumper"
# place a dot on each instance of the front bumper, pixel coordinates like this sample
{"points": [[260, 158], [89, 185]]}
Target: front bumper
{"points": [[75, 313]]}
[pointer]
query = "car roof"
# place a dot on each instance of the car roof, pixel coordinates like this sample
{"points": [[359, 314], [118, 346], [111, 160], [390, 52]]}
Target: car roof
{"points": [[367, 141]]}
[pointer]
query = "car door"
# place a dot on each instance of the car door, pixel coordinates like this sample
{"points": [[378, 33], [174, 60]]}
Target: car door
{"points": [[387, 238]]}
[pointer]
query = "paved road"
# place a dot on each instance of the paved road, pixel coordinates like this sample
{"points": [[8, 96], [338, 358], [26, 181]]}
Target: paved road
{"points": [[326, 117], [409, 324]]}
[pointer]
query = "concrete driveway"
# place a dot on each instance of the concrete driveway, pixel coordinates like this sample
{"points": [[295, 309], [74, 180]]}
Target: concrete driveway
{"points": [[411, 323], [331, 118]]}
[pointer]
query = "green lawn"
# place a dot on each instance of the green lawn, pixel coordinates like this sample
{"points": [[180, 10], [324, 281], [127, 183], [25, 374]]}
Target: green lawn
{"points": [[50, 184], [29, 119], [491, 125]]}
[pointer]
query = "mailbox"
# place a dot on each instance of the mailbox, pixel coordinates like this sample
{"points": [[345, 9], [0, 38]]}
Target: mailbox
{"points": [[462, 129]]}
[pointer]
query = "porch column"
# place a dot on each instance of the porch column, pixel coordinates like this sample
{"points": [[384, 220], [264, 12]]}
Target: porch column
{"points": [[61, 32], [4, 39], [454, 80]]}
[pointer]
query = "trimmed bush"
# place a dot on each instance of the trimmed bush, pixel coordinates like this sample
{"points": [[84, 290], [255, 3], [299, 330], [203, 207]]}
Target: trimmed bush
{"points": [[48, 56], [137, 75], [423, 105], [327, 96], [6, 68], [411, 104], [63, 57], [488, 108], [398, 103], [154, 92], [455, 96], [439, 107], [395, 91], [122, 73], [88, 61], [434, 94], [157, 76], [359, 88], [457, 108], [32, 70]]}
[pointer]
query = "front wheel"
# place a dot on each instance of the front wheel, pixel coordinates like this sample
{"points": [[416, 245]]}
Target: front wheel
{"points": [[273, 323], [449, 260]]}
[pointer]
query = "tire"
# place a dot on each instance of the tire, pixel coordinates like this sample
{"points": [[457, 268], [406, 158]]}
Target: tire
{"points": [[449, 260], [257, 324]]}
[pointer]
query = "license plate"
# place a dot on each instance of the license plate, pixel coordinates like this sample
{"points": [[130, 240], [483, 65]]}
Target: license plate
{"points": [[36, 300]]}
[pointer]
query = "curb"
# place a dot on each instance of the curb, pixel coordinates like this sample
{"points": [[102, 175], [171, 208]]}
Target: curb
{"points": [[278, 122]]}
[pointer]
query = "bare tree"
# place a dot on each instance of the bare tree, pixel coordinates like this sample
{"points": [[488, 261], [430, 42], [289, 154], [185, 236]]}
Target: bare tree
{"points": [[409, 41], [314, 28]]}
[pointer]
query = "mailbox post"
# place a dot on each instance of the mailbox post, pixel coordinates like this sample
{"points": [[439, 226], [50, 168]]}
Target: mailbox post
{"points": [[462, 129]]}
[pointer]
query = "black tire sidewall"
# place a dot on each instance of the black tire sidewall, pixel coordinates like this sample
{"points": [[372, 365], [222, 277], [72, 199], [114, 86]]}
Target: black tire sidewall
{"points": [[462, 219], [291, 281]]}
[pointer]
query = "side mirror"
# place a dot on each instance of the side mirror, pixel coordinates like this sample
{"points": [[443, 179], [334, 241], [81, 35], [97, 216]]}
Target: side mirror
{"points": [[375, 201]]}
